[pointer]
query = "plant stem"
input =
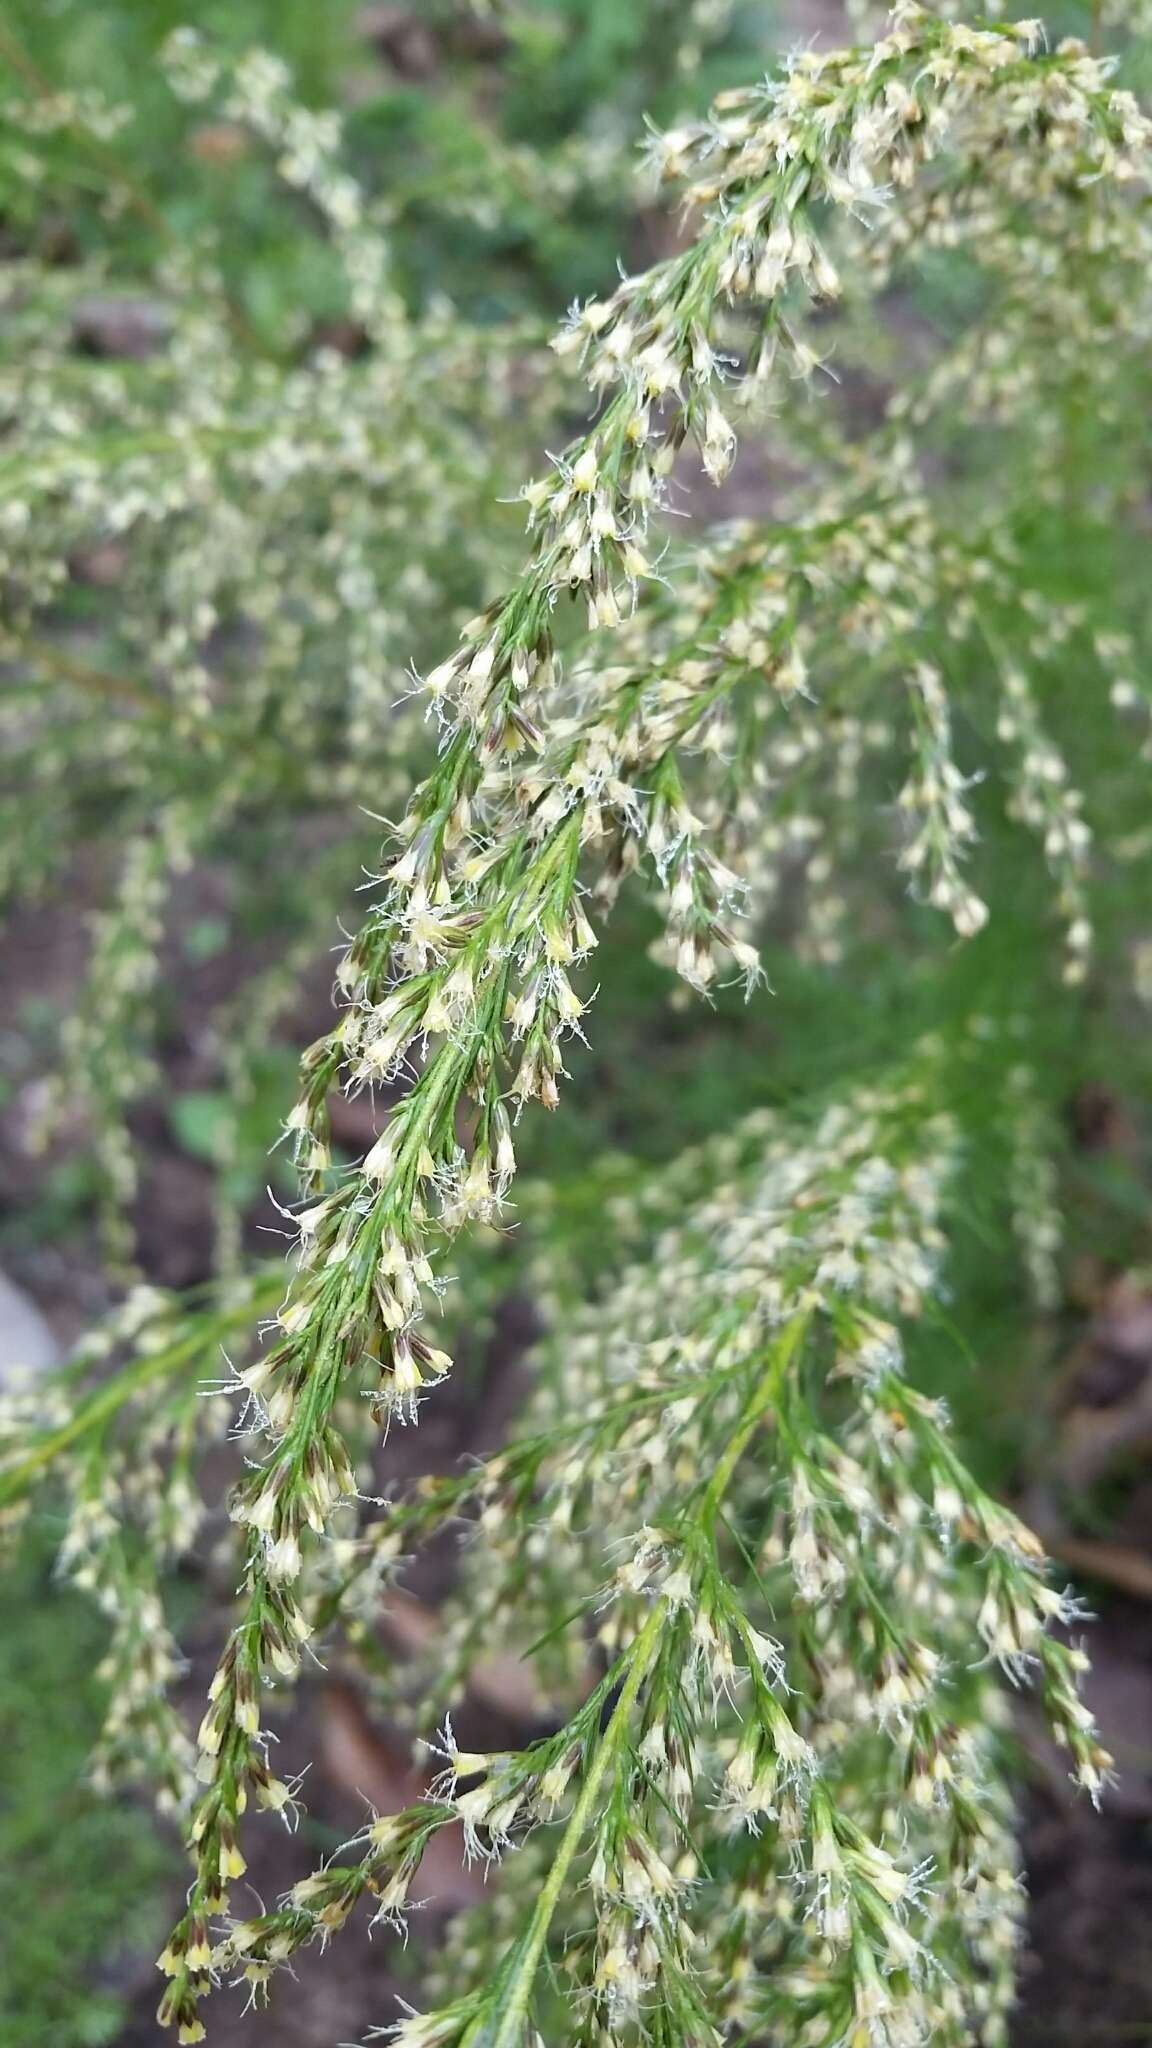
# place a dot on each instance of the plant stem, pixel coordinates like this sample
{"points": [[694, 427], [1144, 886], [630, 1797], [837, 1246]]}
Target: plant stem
{"points": [[514, 2001], [760, 1399], [108, 1398]]}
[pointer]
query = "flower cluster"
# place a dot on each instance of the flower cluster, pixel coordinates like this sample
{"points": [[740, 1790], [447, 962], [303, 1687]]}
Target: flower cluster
{"points": [[783, 1779]]}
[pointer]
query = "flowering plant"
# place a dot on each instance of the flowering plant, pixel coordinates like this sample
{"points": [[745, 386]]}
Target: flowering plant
{"points": [[768, 1600]]}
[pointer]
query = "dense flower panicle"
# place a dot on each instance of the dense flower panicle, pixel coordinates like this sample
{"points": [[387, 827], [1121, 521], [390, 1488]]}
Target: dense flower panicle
{"points": [[472, 935], [777, 1766], [813, 1711]]}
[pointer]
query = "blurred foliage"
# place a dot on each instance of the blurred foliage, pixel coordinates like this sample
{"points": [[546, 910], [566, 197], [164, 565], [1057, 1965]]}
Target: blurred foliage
{"points": [[439, 102], [82, 1880]]}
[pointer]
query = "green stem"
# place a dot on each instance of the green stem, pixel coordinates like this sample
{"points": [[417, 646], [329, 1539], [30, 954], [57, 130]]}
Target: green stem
{"points": [[763, 1394], [98, 681], [518, 1991], [113, 1395]]}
